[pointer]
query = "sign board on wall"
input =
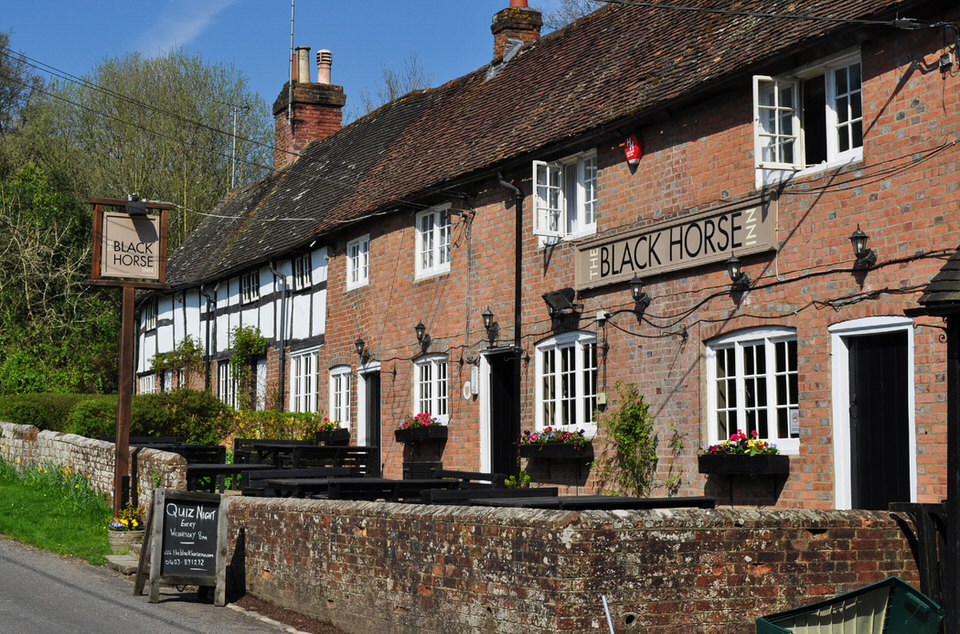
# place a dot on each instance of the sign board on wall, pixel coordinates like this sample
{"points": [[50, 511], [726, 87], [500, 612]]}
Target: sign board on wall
{"points": [[702, 238]]}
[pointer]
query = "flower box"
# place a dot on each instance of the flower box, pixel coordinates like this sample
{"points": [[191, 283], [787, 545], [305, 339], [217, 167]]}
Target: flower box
{"points": [[333, 437], [557, 451], [763, 464], [424, 432]]}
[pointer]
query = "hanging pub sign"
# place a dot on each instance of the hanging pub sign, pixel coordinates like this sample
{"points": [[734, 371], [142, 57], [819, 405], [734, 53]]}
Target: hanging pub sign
{"points": [[681, 243], [129, 244]]}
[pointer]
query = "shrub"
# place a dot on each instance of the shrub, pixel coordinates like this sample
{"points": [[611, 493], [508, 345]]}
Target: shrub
{"points": [[191, 415], [94, 417], [273, 424], [45, 411]]}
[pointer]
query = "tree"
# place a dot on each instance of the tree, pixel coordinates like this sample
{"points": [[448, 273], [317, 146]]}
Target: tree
{"points": [[158, 127], [396, 82], [16, 85], [569, 10]]}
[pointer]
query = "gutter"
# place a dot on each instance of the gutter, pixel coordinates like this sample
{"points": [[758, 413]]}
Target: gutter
{"points": [[206, 348], [283, 323], [517, 256]]}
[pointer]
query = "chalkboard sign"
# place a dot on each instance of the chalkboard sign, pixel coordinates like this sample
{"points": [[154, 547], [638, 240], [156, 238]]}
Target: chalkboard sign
{"points": [[189, 537], [186, 542]]}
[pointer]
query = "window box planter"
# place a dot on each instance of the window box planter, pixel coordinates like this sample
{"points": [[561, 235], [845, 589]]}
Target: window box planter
{"points": [[557, 451], [419, 434], [764, 464], [338, 437]]}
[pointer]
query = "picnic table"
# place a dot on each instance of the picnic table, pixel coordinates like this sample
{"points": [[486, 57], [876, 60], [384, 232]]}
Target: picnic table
{"points": [[358, 488], [210, 476]]}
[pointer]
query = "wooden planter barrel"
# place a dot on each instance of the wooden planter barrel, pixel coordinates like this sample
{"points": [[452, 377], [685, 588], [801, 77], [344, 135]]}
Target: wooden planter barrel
{"points": [[421, 433]]}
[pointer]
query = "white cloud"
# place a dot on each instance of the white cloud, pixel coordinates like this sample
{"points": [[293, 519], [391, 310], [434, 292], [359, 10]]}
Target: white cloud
{"points": [[179, 24]]}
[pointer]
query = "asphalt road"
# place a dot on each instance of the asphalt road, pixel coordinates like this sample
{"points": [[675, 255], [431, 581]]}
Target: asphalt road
{"points": [[42, 593]]}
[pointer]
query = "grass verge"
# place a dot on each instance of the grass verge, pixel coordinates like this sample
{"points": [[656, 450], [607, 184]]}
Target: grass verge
{"points": [[55, 509]]}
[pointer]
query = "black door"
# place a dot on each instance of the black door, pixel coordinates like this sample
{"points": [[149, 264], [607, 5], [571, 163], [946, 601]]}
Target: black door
{"points": [[879, 420], [371, 382], [504, 412]]}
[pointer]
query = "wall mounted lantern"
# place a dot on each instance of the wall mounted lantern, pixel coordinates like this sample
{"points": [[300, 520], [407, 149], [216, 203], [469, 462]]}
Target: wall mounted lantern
{"points": [[492, 327], [360, 345], [641, 300], [866, 258], [422, 337], [741, 281]]}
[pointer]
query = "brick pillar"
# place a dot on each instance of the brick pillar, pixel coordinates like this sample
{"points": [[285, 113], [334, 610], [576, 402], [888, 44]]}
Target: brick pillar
{"points": [[517, 22]]}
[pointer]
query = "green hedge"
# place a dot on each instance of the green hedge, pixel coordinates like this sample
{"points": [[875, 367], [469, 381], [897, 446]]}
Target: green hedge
{"points": [[273, 424], [44, 411]]}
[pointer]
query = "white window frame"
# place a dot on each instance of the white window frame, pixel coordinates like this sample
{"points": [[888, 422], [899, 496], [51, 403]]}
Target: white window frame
{"points": [[340, 394], [563, 210], [303, 380], [431, 387], [734, 346], [786, 124], [358, 262], [302, 272], [226, 385], [433, 230], [147, 384], [581, 377], [250, 287], [150, 315]]}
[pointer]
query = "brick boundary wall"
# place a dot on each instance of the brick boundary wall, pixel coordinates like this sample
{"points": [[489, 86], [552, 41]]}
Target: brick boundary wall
{"points": [[379, 567], [25, 446]]}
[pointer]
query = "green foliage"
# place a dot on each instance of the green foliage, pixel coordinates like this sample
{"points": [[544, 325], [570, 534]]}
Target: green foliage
{"points": [[274, 424], [631, 428], [521, 481], [44, 411], [248, 345], [674, 474], [54, 508], [187, 356], [94, 417], [191, 415]]}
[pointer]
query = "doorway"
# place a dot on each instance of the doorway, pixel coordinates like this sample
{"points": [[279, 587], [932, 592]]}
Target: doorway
{"points": [[368, 410], [500, 411], [874, 438]]}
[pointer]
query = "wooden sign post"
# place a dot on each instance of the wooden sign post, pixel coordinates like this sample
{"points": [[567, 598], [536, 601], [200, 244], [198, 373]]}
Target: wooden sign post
{"points": [[129, 251], [186, 543]]}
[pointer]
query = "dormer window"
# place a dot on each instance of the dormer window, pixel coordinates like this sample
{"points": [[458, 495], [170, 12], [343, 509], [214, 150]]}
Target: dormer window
{"points": [[302, 272], [250, 287]]}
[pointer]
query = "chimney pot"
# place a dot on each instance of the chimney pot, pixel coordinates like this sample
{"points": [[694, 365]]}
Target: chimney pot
{"points": [[324, 64], [303, 64], [518, 3]]}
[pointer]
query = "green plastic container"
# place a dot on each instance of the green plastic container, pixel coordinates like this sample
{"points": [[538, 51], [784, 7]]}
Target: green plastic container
{"points": [[890, 606]]}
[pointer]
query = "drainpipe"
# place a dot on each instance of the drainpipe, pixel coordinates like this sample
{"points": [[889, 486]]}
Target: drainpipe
{"points": [[206, 356], [518, 252], [283, 324]]}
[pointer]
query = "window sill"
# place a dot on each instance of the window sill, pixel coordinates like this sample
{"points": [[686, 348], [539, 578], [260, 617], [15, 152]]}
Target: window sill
{"points": [[425, 275], [358, 286], [775, 176]]}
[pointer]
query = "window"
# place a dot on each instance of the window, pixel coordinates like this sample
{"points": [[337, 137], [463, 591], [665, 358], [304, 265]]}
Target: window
{"points": [[303, 381], [250, 287], [567, 382], [302, 272], [150, 315], [340, 394], [226, 387], [430, 387], [358, 262], [812, 118], [565, 197], [147, 384], [433, 241], [752, 386]]}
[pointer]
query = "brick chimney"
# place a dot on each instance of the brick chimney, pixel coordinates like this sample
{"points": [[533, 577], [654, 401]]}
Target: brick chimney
{"points": [[517, 22], [316, 109]]}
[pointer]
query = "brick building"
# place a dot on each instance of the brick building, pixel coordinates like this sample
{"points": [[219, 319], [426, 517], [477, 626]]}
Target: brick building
{"points": [[768, 135]]}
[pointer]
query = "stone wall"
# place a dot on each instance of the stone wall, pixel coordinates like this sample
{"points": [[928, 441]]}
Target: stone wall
{"points": [[369, 567], [25, 447]]}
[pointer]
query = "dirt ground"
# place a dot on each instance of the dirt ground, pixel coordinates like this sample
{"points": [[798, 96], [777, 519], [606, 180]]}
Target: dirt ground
{"points": [[286, 617]]}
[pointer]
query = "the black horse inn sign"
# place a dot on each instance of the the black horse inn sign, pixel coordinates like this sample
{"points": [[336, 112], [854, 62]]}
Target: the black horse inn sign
{"points": [[701, 238]]}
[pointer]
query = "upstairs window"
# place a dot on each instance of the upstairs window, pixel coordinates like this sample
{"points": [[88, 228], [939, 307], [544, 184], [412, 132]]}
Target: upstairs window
{"points": [[358, 262], [250, 287], [433, 241], [565, 197], [302, 272], [150, 315], [752, 385], [430, 387], [809, 119]]}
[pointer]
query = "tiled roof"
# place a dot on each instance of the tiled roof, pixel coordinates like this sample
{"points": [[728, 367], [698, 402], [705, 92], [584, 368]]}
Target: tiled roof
{"points": [[618, 63]]}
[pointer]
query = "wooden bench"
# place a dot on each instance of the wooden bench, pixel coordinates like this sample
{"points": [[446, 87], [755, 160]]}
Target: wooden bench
{"points": [[471, 479], [467, 496], [255, 481]]}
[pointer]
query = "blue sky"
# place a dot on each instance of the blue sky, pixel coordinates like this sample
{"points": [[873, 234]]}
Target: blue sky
{"points": [[452, 37]]}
